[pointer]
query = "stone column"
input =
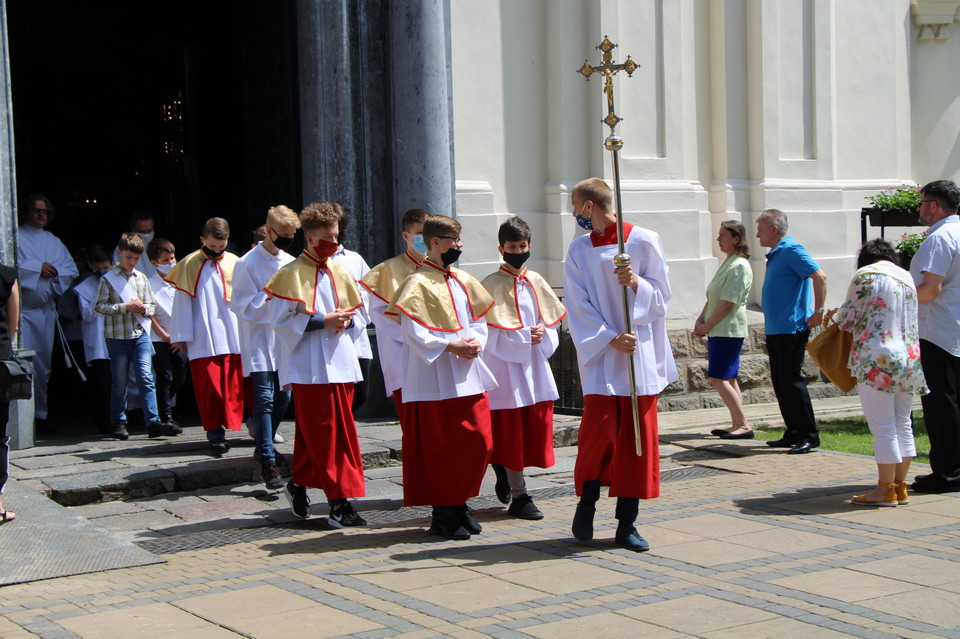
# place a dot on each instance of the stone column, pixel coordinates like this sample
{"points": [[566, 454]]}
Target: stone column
{"points": [[8, 178]]}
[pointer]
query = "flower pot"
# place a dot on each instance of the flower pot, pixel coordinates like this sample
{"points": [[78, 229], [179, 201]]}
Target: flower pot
{"points": [[894, 218]]}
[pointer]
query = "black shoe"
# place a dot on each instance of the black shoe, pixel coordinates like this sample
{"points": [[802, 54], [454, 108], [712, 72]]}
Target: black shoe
{"points": [[445, 524], [628, 537], [719, 432], [119, 432], [746, 435], [168, 419], [299, 501], [271, 475], [783, 442], [467, 520], [523, 508], [219, 448], [502, 487], [934, 485], [161, 429], [802, 449], [582, 527], [346, 517]]}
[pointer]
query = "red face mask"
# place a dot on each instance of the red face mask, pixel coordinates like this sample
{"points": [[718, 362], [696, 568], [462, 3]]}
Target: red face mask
{"points": [[325, 249]]}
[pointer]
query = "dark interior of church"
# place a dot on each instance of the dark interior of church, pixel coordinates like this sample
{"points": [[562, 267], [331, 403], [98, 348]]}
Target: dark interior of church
{"points": [[186, 109]]}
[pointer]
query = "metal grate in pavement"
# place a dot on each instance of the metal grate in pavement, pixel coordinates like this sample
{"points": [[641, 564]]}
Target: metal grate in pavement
{"points": [[217, 538]]}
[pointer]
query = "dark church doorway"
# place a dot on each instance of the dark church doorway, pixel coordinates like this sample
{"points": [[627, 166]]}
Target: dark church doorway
{"points": [[186, 109]]}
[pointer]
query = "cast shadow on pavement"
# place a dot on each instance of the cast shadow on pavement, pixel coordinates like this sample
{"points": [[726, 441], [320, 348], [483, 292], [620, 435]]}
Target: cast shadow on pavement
{"points": [[806, 501]]}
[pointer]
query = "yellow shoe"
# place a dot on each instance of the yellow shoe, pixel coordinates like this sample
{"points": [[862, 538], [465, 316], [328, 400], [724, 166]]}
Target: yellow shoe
{"points": [[889, 500], [902, 497]]}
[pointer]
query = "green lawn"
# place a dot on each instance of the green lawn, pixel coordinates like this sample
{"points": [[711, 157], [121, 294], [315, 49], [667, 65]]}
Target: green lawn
{"points": [[851, 435]]}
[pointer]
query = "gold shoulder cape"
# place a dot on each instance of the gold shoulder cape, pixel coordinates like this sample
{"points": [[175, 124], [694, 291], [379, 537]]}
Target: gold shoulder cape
{"points": [[502, 285], [385, 278], [425, 297], [185, 275], [297, 281]]}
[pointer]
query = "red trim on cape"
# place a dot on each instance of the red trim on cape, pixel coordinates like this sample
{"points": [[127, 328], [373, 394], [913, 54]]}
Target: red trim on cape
{"points": [[516, 300]]}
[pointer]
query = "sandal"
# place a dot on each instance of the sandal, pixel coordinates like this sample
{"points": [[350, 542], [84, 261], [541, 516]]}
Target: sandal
{"points": [[6, 516]]}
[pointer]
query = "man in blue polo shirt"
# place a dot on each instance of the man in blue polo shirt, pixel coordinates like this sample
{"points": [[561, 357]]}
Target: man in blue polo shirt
{"points": [[790, 310]]}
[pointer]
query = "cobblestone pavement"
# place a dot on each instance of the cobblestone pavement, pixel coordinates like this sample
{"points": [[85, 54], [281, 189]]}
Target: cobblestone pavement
{"points": [[746, 542]]}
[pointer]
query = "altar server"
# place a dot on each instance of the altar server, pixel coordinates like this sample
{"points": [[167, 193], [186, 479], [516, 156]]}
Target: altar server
{"points": [[203, 327], [99, 262], [446, 434], [313, 305], [169, 364], [593, 287], [523, 335]]}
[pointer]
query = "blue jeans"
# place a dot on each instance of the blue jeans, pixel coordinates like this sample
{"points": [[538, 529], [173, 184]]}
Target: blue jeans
{"points": [[137, 352], [269, 406]]}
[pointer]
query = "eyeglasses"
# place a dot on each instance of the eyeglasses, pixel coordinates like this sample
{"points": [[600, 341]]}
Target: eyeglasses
{"points": [[455, 240]]}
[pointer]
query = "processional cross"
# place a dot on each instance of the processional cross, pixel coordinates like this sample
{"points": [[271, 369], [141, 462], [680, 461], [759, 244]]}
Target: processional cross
{"points": [[614, 143]]}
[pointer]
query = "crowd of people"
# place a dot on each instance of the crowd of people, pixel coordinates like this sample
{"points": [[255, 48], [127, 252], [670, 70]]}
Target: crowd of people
{"points": [[467, 361]]}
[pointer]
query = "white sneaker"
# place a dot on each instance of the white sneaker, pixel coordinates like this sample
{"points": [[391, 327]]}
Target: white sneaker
{"points": [[277, 438]]}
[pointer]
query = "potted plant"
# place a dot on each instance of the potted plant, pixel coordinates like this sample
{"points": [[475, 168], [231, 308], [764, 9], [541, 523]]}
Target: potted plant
{"points": [[895, 207], [907, 247]]}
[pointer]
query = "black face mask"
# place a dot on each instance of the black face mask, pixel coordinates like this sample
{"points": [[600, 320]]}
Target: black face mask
{"points": [[451, 256], [211, 254], [281, 242], [516, 260]]}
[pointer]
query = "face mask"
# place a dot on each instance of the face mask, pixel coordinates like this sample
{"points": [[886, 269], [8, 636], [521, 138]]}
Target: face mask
{"points": [[147, 237], [451, 256], [211, 254], [516, 260], [281, 242], [325, 249], [164, 269], [584, 222], [419, 245]]}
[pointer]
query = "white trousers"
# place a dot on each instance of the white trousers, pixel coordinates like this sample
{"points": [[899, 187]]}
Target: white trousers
{"points": [[888, 416]]}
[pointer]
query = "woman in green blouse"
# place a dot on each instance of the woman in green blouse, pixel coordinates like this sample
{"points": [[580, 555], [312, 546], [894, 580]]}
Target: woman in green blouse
{"points": [[723, 321]]}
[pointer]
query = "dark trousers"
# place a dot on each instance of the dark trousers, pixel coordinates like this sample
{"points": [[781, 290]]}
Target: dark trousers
{"points": [[786, 361], [941, 411], [170, 371], [4, 442], [99, 384], [360, 388]]}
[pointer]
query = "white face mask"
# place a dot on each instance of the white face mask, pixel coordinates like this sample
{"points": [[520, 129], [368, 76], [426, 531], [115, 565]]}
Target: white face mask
{"points": [[147, 237], [164, 269]]}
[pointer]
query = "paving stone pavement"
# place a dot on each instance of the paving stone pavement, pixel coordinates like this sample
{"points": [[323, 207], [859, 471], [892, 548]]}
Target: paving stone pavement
{"points": [[746, 542]]}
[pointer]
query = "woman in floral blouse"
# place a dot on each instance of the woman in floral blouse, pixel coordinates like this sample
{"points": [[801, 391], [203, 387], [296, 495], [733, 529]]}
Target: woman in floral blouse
{"points": [[881, 312]]}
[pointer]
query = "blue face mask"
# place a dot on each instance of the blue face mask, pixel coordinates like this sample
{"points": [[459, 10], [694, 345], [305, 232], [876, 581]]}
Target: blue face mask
{"points": [[419, 245], [584, 222]]}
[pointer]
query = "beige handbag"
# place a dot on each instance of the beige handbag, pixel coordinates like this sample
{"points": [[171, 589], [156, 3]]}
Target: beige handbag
{"points": [[830, 351]]}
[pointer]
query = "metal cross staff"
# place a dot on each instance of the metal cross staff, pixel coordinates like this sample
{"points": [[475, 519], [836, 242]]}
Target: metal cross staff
{"points": [[614, 143]]}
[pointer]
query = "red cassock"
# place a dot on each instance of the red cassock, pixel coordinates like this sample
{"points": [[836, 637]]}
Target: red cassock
{"points": [[218, 386], [607, 449], [326, 448], [446, 449], [523, 436]]}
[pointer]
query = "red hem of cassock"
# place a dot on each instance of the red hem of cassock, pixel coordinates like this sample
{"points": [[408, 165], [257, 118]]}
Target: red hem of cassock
{"points": [[607, 449], [523, 437], [326, 451], [218, 387], [446, 449]]}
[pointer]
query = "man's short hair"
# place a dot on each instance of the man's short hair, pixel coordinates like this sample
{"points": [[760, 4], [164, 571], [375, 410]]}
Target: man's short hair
{"points": [[130, 242], [280, 215], [513, 230], [260, 234], [158, 246], [99, 254], [439, 226], [27, 203], [343, 218], [319, 215], [412, 217], [775, 217], [876, 250], [217, 228], [595, 190], [945, 192], [140, 216]]}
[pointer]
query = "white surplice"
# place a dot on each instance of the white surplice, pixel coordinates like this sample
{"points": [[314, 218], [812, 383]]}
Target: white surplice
{"points": [[430, 374], [205, 322], [521, 368], [357, 267], [595, 314], [94, 345], [163, 294], [249, 303]]}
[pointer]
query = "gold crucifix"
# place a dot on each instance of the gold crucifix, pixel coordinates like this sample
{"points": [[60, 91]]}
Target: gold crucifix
{"points": [[608, 69]]}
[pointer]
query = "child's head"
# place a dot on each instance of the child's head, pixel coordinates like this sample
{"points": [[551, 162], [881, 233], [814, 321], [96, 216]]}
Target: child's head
{"points": [[161, 252], [216, 233], [441, 234], [129, 248], [321, 223], [412, 227], [514, 236], [589, 194], [281, 227], [99, 260], [259, 234]]}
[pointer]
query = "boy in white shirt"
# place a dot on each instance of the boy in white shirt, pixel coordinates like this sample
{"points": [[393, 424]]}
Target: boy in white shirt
{"points": [[169, 365]]}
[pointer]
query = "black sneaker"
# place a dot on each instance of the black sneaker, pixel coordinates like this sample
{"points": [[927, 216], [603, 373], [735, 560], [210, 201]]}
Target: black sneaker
{"points": [[119, 432], [346, 517], [467, 520], [299, 501], [168, 419], [524, 508], [628, 537], [160, 429], [502, 487], [271, 475], [444, 523], [219, 448]]}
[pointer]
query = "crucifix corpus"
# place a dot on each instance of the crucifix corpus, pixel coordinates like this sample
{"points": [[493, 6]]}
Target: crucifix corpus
{"points": [[614, 143]]}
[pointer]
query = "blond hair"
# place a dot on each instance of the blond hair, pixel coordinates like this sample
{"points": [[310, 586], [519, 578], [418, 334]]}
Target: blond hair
{"points": [[281, 215]]}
